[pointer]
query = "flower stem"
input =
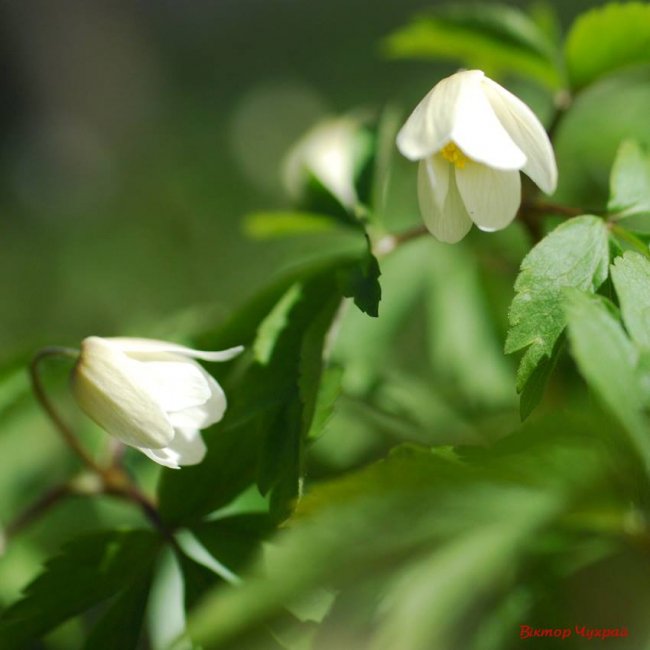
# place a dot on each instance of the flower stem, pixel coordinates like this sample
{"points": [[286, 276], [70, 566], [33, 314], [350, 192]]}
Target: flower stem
{"points": [[37, 509], [39, 391], [114, 480], [631, 239]]}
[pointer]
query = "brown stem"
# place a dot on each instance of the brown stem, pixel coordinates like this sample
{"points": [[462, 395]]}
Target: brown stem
{"points": [[37, 509], [119, 484], [39, 391], [528, 214], [545, 207]]}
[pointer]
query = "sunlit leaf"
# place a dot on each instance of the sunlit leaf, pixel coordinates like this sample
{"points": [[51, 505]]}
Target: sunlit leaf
{"points": [[498, 39], [631, 276], [607, 38], [267, 225], [630, 181], [575, 254], [607, 359]]}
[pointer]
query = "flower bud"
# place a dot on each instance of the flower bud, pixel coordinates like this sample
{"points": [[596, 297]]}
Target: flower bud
{"points": [[151, 395]]}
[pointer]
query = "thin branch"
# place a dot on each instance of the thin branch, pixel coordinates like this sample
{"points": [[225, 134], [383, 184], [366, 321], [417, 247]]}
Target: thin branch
{"points": [[631, 239], [37, 509], [61, 426]]}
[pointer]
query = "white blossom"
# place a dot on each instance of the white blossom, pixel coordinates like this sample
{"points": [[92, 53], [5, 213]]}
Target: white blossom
{"points": [[472, 138], [329, 152], [151, 395]]}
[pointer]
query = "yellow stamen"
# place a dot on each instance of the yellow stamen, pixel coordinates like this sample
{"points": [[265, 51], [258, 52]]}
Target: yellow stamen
{"points": [[454, 155]]}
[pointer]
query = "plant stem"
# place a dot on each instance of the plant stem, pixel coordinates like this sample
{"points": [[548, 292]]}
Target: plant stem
{"points": [[630, 238], [37, 509], [114, 480], [39, 391], [528, 214]]}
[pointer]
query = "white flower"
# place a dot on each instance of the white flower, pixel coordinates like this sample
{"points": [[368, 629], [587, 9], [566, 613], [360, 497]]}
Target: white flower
{"points": [[472, 137], [151, 395], [330, 152]]}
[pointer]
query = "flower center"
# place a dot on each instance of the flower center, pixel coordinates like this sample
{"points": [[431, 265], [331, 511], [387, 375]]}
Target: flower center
{"points": [[454, 155]]}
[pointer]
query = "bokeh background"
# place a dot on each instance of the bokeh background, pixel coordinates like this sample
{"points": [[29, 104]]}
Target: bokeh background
{"points": [[135, 135]]}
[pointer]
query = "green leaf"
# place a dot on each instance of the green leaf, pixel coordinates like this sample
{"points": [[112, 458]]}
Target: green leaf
{"points": [[630, 181], [228, 468], [631, 277], [607, 360], [364, 346], [417, 515], [534, 388], [272, 399], [235, 540], [575, 254], [498, 39], [463, 346], [361, 282], [268, 225], [88, 571], [607, 38], [121, 625]]}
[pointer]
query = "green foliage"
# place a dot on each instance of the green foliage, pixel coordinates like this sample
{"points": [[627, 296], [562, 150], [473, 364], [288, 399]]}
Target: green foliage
{"points": [[266, 225], [276, 396], [498, 39], [463, 347], [607, 38], [612, 371], [432, 536], [630, 181], [88, 571], [631, 277], [121, 625], [576, 254]]}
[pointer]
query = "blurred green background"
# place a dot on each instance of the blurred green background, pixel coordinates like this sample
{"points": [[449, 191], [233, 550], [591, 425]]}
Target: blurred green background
{"points": [[137, 134]]}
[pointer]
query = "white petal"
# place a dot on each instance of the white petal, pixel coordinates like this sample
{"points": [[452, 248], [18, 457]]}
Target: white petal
{"points": [[187, 448], [329, 152], [175, 385], [108, 387], [442, 209], [137, 347], [205, 415], [491, 196], [477, 130], [429, 126], [527, 132]]}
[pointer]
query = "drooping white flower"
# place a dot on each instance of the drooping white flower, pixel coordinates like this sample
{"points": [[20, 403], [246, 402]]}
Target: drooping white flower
{"points": [[472, 138], [151, 395]]}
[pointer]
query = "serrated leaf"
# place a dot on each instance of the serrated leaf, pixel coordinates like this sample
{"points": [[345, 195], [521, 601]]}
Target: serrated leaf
{"points": [[533, 390], [629, 183], [575, 254], [361, 283], [608, 360], [498, 39], [631, 277], [121, 625], [607, 38], [88, 571]]}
